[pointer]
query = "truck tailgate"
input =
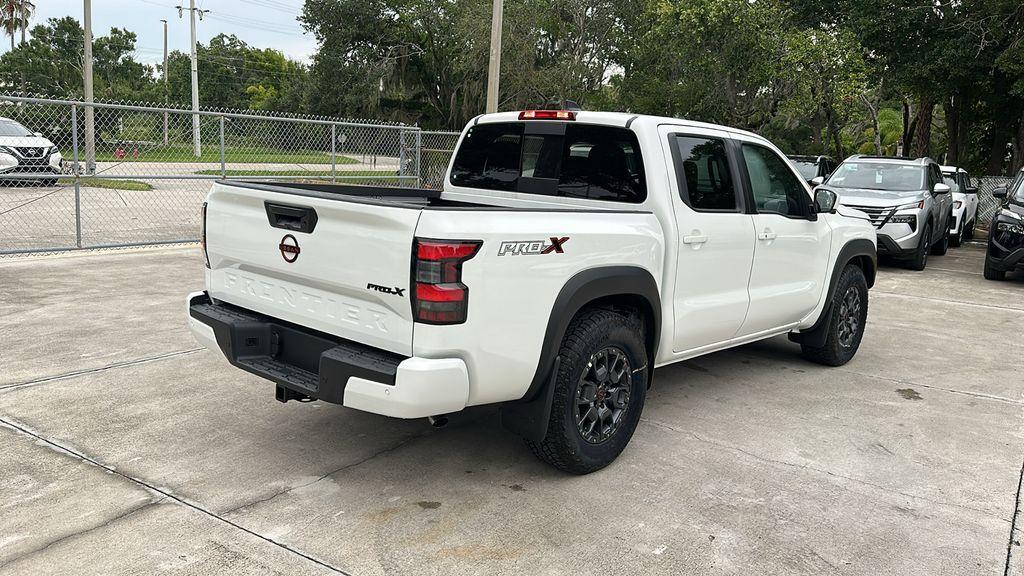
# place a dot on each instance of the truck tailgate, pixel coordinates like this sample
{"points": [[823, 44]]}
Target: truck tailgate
{"points": [[337, 264]]}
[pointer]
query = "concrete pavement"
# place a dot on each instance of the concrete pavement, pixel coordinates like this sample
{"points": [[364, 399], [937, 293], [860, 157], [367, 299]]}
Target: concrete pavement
{"points": [[126, 450]]}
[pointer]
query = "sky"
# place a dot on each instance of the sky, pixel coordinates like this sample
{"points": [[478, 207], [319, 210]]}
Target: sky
{"points": [[259, 23]]}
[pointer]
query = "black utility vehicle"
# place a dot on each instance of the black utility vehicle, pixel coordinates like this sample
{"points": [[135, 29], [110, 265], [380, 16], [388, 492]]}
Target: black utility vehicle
{"points": [[1006, 233]]}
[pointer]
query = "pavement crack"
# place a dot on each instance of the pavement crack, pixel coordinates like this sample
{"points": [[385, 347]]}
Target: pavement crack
{"points": [[1013, 525], [122, 364], [83, 531], [169, 495], [860, 481], [350, 465], [979, 395], [946, 301]]}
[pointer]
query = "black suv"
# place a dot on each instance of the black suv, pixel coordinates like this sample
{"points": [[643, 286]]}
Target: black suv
{"points": [[1006, 233], [811, 167]]}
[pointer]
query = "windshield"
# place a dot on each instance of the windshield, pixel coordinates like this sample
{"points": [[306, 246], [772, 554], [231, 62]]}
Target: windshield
{"points": [[1016, 188], [806, 168], [950, 181], [879, 176], [12, 128]]}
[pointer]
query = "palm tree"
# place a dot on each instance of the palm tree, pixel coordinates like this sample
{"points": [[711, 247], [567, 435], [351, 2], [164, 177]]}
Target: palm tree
{"points": [[26, 8], [10, 18]]}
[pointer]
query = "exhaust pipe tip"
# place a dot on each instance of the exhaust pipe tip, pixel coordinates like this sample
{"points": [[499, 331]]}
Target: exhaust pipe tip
{"points": [[439, 421]]}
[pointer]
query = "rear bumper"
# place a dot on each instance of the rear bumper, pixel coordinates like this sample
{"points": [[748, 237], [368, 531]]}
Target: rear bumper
{"points": [[324, 367]]}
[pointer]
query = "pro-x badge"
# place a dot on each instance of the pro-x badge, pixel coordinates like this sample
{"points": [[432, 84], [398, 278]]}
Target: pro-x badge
{"points": [[529, 247]]}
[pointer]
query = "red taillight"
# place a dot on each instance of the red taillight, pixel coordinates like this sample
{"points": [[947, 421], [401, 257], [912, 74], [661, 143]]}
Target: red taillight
{"points": [[439, 296], [547, 115], [202, 237]]}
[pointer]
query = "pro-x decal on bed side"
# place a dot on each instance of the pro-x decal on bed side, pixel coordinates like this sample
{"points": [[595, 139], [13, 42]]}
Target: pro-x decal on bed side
{"points": [[554, 245], [386, 289]]}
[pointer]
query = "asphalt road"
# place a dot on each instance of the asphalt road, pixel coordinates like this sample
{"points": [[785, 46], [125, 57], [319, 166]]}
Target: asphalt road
{"points": [[126, 450]]}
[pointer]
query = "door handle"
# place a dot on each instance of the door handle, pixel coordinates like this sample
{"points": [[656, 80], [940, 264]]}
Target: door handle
{"points": [[767, 234], [695, 238]]}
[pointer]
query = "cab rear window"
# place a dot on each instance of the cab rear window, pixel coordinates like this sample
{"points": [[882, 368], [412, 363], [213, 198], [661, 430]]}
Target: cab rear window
{"points": [[552, 159]]}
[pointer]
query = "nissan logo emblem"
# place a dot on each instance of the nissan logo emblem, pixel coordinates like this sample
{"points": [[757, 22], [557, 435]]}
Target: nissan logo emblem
{"points": [[289, 248]]}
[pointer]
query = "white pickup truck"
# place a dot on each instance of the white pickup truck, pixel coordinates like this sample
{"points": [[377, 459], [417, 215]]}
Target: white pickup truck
{"points": [[567, 256]]}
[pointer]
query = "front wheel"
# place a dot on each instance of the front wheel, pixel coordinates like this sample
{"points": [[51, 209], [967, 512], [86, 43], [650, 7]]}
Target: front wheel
{"points": [[599, 392], [968, 231], [847, 316], [993, 274], [920, 259]]}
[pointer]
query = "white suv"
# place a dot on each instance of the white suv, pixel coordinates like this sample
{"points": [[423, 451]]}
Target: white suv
{"points": [[26, 153]]}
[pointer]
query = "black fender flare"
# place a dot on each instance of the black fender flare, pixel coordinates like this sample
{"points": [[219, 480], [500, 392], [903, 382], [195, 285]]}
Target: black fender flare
{"points": [[528, 417], [859, 248]]}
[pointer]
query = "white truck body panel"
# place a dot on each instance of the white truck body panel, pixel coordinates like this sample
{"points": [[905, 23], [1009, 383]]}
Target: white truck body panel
{"points": [[325, 287], [724, 279]]}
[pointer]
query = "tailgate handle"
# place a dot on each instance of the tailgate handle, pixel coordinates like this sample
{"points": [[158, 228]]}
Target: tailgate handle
{"points": [[295, 218]]}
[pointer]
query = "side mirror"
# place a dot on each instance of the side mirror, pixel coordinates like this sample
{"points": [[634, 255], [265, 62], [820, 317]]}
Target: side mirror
{"points": [[971, 190], [941, 188], [817, 181], [999, 192], [37, 134], [825, 200]]}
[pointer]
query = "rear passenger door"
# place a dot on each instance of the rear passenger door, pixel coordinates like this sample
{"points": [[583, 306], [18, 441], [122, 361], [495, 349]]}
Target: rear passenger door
{"points": [[715, 238], [791, 252]]}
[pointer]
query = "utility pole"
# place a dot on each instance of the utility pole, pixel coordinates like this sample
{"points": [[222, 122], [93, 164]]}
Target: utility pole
{"points": [[192, 11], [90, 116], [494, 64], [167, 93]]}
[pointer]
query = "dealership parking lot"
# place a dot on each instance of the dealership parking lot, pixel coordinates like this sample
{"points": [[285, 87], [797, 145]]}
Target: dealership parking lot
{"points": [[125, 449]]}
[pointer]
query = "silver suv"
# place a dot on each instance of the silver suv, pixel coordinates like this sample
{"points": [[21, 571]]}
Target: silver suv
{"points": [[906, 200]]}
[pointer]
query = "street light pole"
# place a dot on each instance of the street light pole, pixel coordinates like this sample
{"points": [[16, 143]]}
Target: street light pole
{"points": [[90, 112], [494, 63], [192, 11], [167, 94]]}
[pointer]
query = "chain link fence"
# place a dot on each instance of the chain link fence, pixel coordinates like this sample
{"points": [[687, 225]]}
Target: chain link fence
{"points": [[988, 205], [74, 176], [134, 175], [435, 153]]}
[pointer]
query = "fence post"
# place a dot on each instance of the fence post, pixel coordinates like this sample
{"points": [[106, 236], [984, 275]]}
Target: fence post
{"points": [[223, 171], [334, 152], [419, 165], [75, 175]]}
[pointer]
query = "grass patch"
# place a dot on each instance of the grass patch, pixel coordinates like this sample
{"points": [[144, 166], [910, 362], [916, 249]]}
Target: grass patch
{"points": [[211, 153], [108, 183], [340, 174]]}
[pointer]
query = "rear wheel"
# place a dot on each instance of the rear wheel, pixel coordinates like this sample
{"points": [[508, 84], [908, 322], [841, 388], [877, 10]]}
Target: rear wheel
{"points": [[942, 246], [920, 259], [599, 392], [968, 232], [847, 317]]}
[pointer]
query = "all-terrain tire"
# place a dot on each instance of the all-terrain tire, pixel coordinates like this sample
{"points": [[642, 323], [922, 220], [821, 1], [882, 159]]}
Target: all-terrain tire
{"points": [[591, 332], [844, 336]]}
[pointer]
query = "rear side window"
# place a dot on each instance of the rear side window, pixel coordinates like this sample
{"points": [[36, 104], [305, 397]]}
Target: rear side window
{"points": [[702, 170], [552, 159]]}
